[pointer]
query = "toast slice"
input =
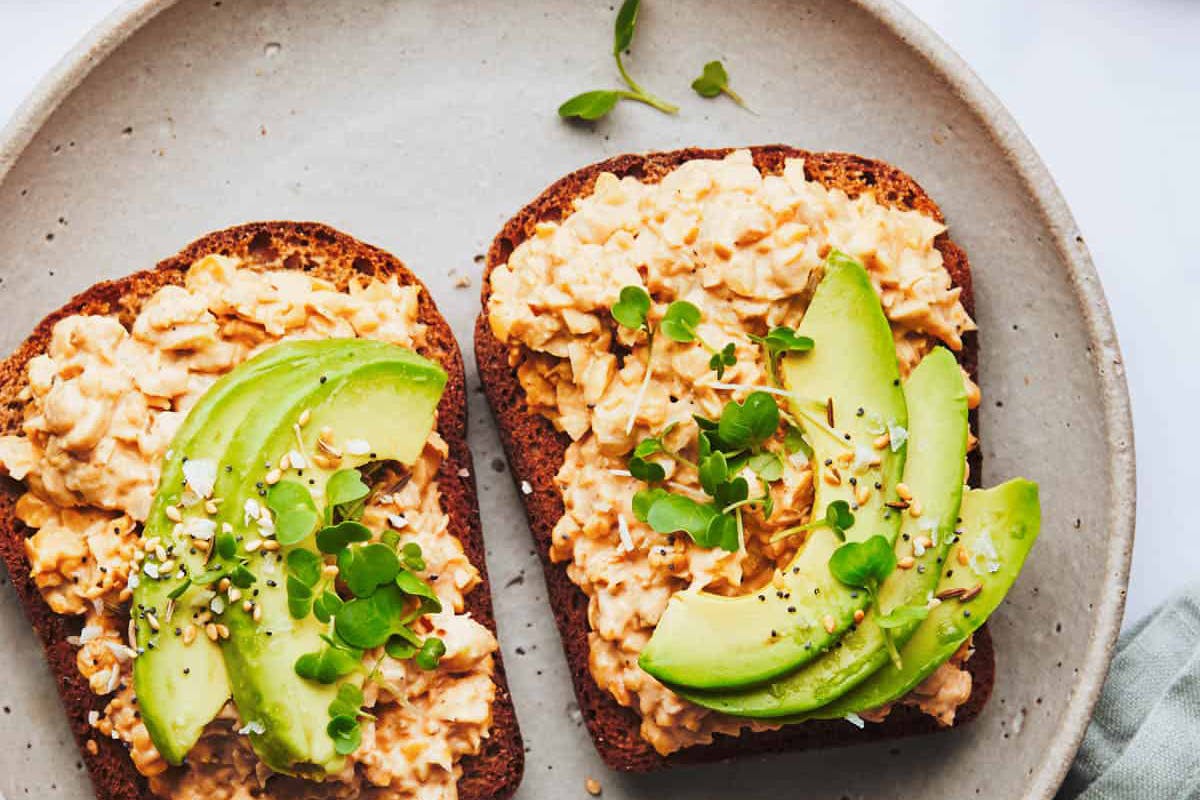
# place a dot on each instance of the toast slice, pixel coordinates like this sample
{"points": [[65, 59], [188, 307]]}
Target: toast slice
{"points": [[535, 451], [335, 257]]}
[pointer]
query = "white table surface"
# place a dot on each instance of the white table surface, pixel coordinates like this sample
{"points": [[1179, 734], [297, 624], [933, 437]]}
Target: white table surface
{"points": [[1109, 93]]}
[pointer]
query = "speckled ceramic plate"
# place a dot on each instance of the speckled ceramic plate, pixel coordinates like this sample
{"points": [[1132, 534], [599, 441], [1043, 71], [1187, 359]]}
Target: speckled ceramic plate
{"points": [[421, 126]]}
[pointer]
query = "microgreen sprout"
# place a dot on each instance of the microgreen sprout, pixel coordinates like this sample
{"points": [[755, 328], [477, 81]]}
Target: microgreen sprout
{"points": [[595, 104], [714, 81], [778, 342], [838, 518]]}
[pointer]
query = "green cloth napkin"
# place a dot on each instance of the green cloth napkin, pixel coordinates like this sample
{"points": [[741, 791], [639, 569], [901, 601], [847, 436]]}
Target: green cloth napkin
{"points": [[1144, 740]]}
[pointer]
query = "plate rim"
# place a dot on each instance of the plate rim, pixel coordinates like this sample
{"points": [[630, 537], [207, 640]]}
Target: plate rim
{"points": [[128, 18]]}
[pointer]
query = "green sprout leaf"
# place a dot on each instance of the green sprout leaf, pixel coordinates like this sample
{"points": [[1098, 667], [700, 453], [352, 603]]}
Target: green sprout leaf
{"points": [[727, 357], [839, 517], [400, 648], [590, 105], [714, 471], [680, 321], [863, 564], [673, 513], [722, 531], [632, 309], [644, 499], [749, 424], [344, 494], [305, 566], [732, 492], [208, 576], [431, 652], [625, 25], [647, 471], [365, 568], [299, 597], [777, 342], [241, 577], [713, 81], [333, 538], [413, 586], [294, 510], [368, 622], [326, 606], [411, 557], [346, 734], [348, 702], [226, 545], [326, 665]]}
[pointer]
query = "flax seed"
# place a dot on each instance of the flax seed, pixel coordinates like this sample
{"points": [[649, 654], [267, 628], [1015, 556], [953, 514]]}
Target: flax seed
{"points": [[972, 593]]}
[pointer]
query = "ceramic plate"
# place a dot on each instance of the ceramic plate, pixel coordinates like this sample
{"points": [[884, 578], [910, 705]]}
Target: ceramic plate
{"points": [[421, 127]]}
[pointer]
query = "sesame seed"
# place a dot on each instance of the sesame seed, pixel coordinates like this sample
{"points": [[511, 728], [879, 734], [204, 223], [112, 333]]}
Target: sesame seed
{"points": [[273, 477], [906, 562], [830, 623], [859, 615], [903, 490], [305, 416], [210, 630]]}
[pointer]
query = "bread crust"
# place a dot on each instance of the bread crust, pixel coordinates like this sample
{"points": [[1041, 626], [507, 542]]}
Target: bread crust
{"points": [[316, 248], [535, 452]]}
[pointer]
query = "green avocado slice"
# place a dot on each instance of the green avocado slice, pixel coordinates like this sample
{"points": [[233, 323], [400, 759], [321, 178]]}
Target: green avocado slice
{"points": [[934, 472], [708, 642], [389, 402], [180, 688], [1000, 526]]}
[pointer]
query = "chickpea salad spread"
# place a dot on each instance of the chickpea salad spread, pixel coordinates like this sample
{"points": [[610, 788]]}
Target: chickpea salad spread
{"points": [[763, 492], [237, 494]]}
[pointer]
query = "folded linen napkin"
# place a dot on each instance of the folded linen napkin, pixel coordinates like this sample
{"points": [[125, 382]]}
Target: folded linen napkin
{"points": [[1144, 740]]}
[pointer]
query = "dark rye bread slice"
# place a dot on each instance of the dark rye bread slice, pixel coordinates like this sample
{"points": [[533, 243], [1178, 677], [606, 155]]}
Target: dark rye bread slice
{"points": [[535, 451], [335, 257]]}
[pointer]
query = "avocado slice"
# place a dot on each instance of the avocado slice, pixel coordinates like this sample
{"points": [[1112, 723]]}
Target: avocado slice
{"points": [[181, 686], [1000, 526], [934, 472], [389, 401], [705, 641]]}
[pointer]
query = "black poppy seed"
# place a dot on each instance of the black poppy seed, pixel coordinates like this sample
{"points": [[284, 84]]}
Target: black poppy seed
{"points": [[949, 573], [371, 456], [966, 613], [895, 381], [272, 584], [854, 506], [906, 536], [853, 595], [878, 485], [324, 378], [179, 631], [762, 598], [262, 492], [185, 458], [829, 462], [816, 590], [853, 481], [846, 436], [791, 609], [921, 568], [312, 482], [860, 411], [229, 468], [774, 635], [258, 484], [187, 670]]}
